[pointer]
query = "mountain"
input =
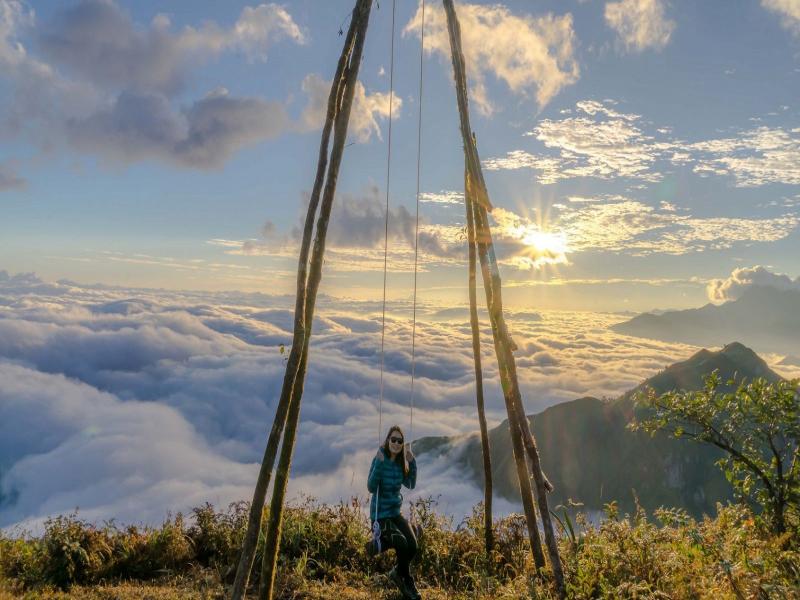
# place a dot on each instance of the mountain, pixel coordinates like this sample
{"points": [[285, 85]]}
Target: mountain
{"points": [[764, 318], [591, 457]]}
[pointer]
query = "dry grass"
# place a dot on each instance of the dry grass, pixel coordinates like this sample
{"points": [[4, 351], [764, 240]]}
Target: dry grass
{"points": [[322, 555]]}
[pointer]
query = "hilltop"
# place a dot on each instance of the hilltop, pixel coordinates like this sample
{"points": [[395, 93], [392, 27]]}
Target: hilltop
{"points": [[591, 456]]}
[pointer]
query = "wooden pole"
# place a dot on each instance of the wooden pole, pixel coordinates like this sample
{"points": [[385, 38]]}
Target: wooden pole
{"points": [[476, 354], [523, 476], [477, 195], [473, 196], [508, 377], [250, 541], [359, 22]]}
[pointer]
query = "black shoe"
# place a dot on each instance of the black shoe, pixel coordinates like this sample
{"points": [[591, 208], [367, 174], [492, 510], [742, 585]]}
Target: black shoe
{"points": [[412, 588], [400, 582]]}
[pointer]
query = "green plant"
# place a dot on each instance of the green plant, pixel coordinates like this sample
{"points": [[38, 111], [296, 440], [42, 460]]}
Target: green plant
{"points": [[757, 426], [74, 551]]}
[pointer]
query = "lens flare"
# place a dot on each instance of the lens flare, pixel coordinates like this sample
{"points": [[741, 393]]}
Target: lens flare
{"points": [[543, 248]]}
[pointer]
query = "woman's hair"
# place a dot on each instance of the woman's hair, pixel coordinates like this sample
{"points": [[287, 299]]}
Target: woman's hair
{"points": [[400, 459]]}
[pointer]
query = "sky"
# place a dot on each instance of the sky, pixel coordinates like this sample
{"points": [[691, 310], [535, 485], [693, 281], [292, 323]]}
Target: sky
{"points": [[635, 150], [155, 163]]}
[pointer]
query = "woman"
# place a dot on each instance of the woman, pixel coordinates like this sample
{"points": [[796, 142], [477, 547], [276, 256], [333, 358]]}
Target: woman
{"points": [[394, 465]]}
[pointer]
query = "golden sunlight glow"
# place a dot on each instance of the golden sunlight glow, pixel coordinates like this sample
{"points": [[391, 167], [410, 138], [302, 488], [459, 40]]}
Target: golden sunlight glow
{"points": [[546, 243], [541, 248]]}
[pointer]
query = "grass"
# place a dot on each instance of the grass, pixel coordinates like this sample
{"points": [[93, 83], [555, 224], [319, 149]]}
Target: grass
{"points": [[665, 555]]}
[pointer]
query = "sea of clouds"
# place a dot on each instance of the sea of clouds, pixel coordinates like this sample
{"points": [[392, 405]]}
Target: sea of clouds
{"points": [[132, 403]]}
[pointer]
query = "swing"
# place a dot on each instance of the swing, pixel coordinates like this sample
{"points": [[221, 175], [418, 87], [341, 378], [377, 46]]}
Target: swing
{"points": [[374, 545], [284, 426]]}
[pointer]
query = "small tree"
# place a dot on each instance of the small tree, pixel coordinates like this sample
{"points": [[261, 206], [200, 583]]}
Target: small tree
{"points": [[757, 425]]}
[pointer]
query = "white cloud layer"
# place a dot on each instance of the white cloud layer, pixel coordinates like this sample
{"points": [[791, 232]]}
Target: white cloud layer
{"points": [[154, 401], [525, 52], [731, 288], [640, 24]]}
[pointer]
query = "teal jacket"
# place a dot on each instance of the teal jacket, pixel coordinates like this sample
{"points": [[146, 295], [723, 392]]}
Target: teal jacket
{"points": [[384, 481]]}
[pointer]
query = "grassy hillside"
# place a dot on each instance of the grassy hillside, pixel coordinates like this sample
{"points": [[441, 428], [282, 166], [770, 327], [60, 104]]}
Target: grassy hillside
{"points": [[592, 458], [668, 555]]}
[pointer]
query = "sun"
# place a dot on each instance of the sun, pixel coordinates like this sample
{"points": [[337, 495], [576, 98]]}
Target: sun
{"points": [[546, 242], [545, 247]]}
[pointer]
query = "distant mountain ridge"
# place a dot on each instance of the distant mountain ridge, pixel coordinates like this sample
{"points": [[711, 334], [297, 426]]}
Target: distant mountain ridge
{"points": [[764, 318], [591, 457]]}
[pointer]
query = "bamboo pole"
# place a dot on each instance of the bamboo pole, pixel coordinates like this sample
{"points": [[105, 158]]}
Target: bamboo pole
{"points": [[473, 196], [359, 22], [508, 378], [477, 195], [250, 541], [523, 475], [476, 354]]}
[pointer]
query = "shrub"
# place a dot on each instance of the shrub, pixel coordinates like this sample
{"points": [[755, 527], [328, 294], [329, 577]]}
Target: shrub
{"points": [[733, 555], [73, 551], [21, 560], [217, 536]]}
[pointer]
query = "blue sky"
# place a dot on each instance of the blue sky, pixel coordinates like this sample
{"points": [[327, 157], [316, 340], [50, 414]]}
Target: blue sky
{"points": [[636, 150]]}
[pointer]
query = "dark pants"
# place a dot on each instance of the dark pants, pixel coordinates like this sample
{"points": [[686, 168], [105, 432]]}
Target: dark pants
{"points": [[395, 533]]}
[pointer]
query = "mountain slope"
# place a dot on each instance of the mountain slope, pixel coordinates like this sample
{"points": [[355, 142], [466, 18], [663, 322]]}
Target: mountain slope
{"points": [[764, 318], [591, 457]]}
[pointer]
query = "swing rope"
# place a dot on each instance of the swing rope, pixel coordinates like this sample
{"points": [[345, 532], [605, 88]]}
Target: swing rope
{"points": [[416, 226], [386, 224], [416, 222], [376, 530]]}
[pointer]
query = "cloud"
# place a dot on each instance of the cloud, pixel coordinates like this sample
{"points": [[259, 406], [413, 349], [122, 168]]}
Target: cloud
{"points": [[153, 400], [789, 11], [527, 53], [9, 180], [97, 40], [640, 24], [365, 112], [109, 87], [143, 126], [603, 143], [13, 16], [757, 157], [356, 234], [723, 290], [65, 444], [524, 244], [603, 223], [442, 197], [38, 95], [620, 224]]}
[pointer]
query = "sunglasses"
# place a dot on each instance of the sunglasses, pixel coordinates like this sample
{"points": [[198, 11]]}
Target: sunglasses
{"points": [[396, 440]]}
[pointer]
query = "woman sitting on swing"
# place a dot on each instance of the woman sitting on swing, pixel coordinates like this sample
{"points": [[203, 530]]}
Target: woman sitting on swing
{"points": [[393, 466]]}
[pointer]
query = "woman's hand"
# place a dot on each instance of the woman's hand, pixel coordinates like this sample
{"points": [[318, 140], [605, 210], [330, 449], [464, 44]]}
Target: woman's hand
{"points": [[409, 453]]}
